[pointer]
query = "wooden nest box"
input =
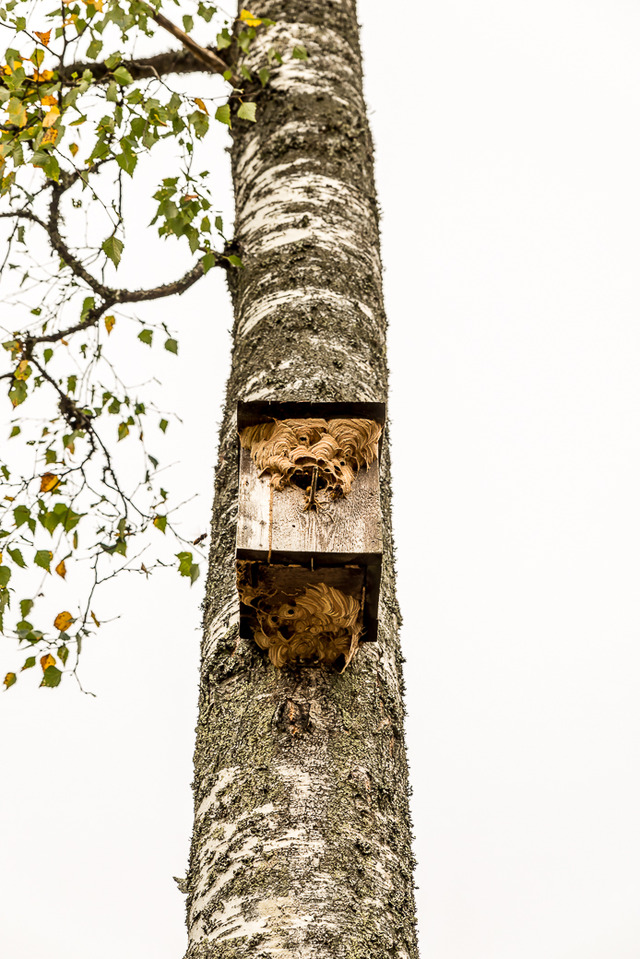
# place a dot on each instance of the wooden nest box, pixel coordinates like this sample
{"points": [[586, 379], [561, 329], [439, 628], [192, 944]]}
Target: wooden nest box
{"points": [[309, 540]]}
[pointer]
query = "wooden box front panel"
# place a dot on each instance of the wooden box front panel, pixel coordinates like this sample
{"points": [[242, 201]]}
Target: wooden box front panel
{"points": [[275, 522]]}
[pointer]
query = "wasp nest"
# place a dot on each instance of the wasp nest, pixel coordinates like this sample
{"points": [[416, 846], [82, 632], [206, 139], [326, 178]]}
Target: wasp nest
{"points": [[315, 627], [321, 455]]}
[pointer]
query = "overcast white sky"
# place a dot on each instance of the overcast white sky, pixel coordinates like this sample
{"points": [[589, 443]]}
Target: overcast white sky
{"points": [[508, 159]]}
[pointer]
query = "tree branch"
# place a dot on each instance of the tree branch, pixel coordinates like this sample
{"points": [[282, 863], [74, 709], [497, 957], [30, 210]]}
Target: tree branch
{"points": [[65, 254], [208, 57], [121, 297], [108, 295], [167, 289], [162, 64], [193, 58]]}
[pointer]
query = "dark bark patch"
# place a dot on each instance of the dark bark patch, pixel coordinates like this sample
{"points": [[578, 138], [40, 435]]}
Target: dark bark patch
{"points": [[292, 718]]}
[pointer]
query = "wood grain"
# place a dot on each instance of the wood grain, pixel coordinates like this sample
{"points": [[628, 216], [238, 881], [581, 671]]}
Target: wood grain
{"points": [[276, 520]]}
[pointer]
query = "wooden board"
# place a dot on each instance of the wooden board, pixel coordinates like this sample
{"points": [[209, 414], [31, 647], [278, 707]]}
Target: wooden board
{"points": [[275, 521], [261, 411]]}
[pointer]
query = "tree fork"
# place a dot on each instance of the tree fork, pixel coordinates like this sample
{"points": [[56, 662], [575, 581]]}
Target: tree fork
{"points": [[302, 840]]}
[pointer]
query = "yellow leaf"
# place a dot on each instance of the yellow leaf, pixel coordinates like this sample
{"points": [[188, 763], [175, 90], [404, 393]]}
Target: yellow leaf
{"points": [[49, 101], [73, 149], [10, 679], [64, 342], [48, 482], [249, 19], [21, 372], [61, 569], [0, 557], [50, 117], [46, 661], [43, 37], [63, 621], [94, 618], [200, 103], [50, 137], [44, 76], [94, 3], [109, 322]]}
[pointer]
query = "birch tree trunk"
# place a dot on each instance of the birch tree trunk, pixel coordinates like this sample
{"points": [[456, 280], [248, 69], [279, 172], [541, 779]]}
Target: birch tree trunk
{"points": [[301, 843]]}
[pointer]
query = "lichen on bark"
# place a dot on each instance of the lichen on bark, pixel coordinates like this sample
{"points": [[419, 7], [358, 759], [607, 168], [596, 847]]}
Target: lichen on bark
{"points": [[302, 840]]}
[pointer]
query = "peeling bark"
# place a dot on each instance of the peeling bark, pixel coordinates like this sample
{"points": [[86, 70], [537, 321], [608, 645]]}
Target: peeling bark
{"points": [[302, 839]]}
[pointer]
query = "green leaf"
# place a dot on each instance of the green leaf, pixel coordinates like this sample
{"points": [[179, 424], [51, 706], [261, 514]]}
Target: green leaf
{"points": [[208, 261], [171, 345], [160, 522], [146, 336], [18, 392], [223, 114], [5, 600], [235, 260], [94, 49], [88, 304], [63, 654], [52, 677], [48, 353], [187, 22], [21, 514], [26, 605], [14, 432], [48, 163], [66, 516], [17, 558], [122, 76], [205, 12], [263, 76], [113, 247], [127, 160], [300, 53], [5, 576], [28, 663], [244, 39], [187, 567], [123, 430], [49, 520], [43, 559], [247, 111], [163, 425]]}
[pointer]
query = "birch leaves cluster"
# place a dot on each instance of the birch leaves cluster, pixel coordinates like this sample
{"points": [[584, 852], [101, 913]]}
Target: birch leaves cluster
{"points": [[80, 111]]}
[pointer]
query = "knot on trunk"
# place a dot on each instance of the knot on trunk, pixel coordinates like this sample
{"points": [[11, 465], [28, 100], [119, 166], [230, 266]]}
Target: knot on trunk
{"points": [[292, 718]]}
